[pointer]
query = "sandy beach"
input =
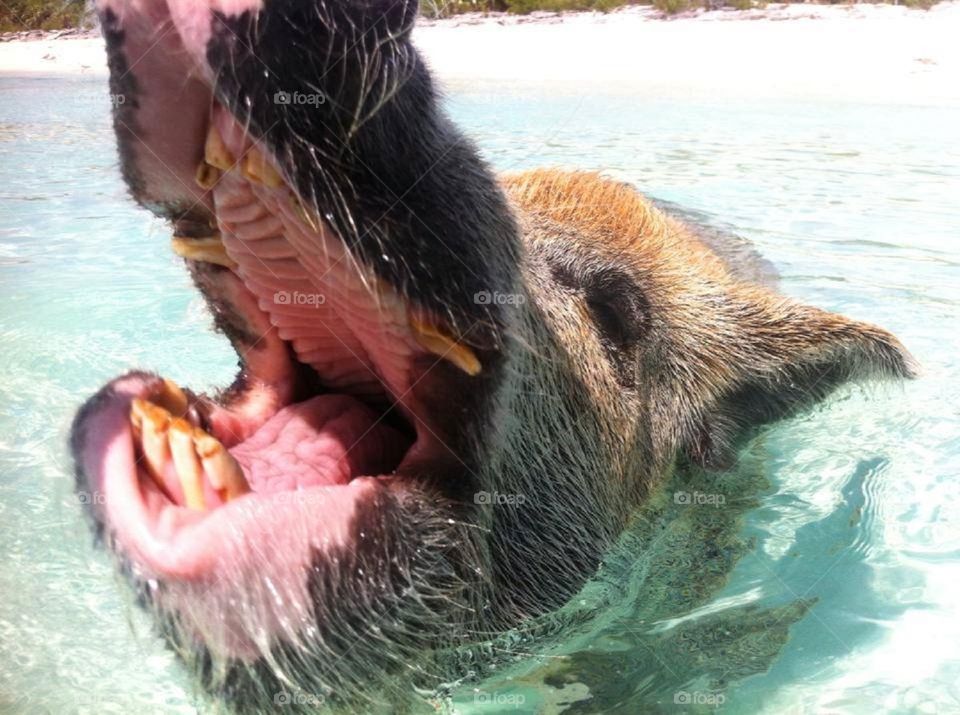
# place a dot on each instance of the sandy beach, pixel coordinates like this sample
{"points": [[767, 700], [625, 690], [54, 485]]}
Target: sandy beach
{"points": [[881, 53]]}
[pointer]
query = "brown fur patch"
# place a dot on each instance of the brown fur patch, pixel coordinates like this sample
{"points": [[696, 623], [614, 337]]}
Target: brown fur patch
{"points": [[727, 353], [611, 212]]}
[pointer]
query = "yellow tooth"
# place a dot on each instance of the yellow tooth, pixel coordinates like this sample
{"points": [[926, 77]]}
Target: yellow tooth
{"points": [[206, 175], [215, 152], [171, 398], [152, 423], [187, 463], [223, 470], [209, 249], [439, 343], [257, 168]]}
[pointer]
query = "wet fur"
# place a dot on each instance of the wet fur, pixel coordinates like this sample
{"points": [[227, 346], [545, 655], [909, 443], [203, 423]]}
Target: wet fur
{"points": [[578, 419]]}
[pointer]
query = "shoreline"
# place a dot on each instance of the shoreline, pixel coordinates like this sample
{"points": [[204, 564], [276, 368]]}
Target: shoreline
{"points": [[873, 53]]}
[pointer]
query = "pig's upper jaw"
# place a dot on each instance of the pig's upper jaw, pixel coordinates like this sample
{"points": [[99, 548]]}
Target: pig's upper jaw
{"points": [[344, 398]]}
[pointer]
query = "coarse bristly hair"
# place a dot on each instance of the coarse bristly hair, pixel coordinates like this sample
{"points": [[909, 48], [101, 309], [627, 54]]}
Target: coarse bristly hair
{"points": [[629, 347]]}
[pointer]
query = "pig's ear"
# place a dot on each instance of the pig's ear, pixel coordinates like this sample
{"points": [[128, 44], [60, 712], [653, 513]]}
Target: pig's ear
{"points": [[785, 357]]}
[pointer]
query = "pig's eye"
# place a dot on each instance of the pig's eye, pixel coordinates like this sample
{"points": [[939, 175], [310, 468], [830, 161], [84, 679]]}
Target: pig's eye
{"points": [[609, 321], [617, 307], [618, 310]]}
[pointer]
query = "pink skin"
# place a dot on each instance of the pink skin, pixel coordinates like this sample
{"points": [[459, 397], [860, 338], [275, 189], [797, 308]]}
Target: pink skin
{"points": [[306, 463], [327, 440], [166, 42], [166, 169], [171, 541], [193, 25], [305, 466], [269, 366], [324, 441], [304, 501], [320, 446]]}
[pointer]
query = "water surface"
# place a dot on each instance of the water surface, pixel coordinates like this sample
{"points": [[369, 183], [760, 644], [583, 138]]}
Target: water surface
{"points": [[833, 587]]}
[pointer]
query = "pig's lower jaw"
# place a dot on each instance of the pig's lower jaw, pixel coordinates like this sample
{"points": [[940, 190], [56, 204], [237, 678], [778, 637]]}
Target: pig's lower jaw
{"points": [[224, 509]]}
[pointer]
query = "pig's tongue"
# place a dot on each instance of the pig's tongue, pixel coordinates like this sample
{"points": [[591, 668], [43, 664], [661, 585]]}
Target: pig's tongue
{"points": [[325, 441]]}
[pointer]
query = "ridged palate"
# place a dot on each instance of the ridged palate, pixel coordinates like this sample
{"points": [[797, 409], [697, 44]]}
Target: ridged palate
{"points": [[315, 297]]}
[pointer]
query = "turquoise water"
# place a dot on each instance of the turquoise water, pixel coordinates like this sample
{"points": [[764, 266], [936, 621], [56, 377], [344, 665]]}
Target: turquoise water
{"points": [[836, 588]]}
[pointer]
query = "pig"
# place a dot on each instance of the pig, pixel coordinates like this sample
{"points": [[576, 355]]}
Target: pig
{"points": [[454, 389]]}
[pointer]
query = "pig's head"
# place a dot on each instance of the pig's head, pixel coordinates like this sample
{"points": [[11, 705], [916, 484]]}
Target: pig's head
{"points": [[452, 391]]}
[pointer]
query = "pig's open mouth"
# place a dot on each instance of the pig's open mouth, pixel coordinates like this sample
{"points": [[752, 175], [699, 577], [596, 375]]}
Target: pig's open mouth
{"points": [[332, 404], [320, 508], [325, 524]]}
